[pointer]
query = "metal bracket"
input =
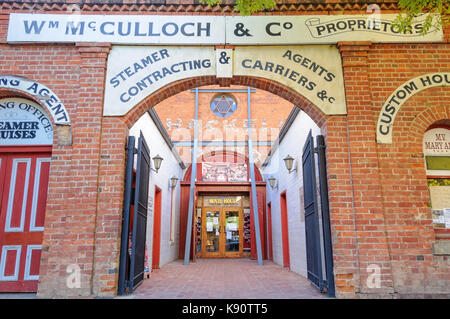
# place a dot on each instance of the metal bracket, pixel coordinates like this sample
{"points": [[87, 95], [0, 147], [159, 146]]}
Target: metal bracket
{"points": [[316, 149], [135, 151]]}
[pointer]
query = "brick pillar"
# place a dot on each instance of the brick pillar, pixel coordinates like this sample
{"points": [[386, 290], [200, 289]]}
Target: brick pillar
{"points": [[343, 231], [68, 245], [371, 234]]}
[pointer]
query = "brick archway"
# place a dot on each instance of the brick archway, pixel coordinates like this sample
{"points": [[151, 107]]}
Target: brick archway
{"points": [[259, 83], [424, 120], [112, 167]]}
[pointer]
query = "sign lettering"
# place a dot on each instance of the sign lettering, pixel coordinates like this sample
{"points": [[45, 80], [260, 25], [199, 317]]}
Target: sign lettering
{"points": [[313, 71], [218, 30], [136, 72], [394, 102], [23, 122], [436, 142], [49, 99]]}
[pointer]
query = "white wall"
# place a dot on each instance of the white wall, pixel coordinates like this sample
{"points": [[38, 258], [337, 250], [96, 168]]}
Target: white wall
{"points": [[169, 167], [292, 183]]}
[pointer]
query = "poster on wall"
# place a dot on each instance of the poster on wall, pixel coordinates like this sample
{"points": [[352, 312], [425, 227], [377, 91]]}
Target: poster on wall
{"points": [[447, 217], [438, 218], [436, 142], [24, 122]]}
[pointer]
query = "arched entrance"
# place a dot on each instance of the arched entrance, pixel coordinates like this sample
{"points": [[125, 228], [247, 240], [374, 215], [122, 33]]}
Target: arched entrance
{"points": [[218, 191]]}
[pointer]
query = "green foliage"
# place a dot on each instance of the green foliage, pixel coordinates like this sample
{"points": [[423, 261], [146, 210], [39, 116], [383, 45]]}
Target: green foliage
{"points": [[438, 10], [439, 182], [246, 7]]}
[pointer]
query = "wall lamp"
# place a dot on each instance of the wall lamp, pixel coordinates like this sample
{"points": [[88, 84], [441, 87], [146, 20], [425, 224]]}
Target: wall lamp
{"points": [[289, 162], [272, 182], [157, 162], [173, 182]]}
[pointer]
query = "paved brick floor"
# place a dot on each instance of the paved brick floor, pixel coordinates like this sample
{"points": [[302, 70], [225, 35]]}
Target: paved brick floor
{"points": [[225, 278]]}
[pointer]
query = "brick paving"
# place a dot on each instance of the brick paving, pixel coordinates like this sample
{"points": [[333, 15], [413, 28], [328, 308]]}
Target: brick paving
{"points": [[223, 279]]}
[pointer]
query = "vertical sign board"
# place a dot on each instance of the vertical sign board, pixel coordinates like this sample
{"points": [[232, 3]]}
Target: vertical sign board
{"points": [[23, 191]]}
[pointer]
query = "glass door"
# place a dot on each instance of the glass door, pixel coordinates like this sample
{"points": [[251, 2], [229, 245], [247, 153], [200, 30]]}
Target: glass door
{"points": [[222, 232], [232, 235], [211, 232]]}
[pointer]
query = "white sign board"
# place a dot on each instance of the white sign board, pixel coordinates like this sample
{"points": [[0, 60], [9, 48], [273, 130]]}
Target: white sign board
{"points": [[117, 29], [313, 71], [321, 29], [135, 72], [447, 217], [49, 99], [436, 142], [224, 63], [191, 29], [23, 122]]}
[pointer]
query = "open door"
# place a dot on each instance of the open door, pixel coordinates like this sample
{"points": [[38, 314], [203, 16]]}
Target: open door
{"points": [[313, 246], [134, 223], [318, 244]]}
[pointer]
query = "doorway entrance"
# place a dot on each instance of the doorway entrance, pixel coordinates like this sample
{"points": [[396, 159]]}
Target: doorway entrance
{"points": [[222, 232], [23, 195]]}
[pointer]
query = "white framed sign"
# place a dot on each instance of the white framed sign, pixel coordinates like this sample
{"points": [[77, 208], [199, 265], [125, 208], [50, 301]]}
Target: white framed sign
{"points": [[321, 29], [313, 71], [209, 30], [134, 72], [24, 122], [436, 142], [116, 29]]}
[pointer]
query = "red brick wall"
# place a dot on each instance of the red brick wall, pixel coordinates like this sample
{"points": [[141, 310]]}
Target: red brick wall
{"points": [[409, 230], [266, 121]]}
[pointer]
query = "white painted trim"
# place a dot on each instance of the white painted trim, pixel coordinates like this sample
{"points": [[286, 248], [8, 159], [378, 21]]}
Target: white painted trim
{"points": [[5, 250], [26, 275], [12, 186], [37, 179]]}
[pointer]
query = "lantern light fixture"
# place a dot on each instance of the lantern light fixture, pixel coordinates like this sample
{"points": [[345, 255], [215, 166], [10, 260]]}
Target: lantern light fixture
{"points": [[289, 162], [157, 160], [272, 182], [173, 181]]}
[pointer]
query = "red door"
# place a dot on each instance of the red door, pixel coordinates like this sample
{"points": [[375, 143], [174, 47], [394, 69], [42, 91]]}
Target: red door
{"points": [[284, 230], [23, 195], [156, 229]]}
